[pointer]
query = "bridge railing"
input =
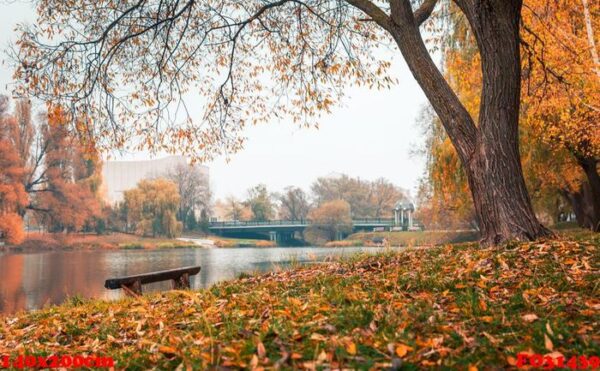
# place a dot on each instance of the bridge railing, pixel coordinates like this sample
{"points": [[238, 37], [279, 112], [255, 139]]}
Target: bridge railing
{"points": [[237, 223], [373, 221]]}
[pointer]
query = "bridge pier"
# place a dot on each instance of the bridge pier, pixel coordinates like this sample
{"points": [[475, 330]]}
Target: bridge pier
{"points": [[273, 236]]}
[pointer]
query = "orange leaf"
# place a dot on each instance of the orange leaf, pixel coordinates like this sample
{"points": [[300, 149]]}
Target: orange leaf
{"points": [[167, 350], [351, 348], [402, 350]]}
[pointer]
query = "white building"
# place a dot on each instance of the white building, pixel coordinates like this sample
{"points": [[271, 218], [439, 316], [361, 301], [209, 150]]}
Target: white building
{"points": [[120, 176]]}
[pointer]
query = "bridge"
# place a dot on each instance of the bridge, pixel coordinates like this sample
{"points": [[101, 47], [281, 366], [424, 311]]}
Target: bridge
{"points": [[281, 230]]}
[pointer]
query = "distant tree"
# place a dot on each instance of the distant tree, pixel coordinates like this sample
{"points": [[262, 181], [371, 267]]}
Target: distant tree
{"points": [[152, 208], [383, 197], [204, 223], [260, 202], [13, 197], [191, 224], [294, 204], [352, 190], [328, 221], [68, 199], [367, 199], [194, 191], [237, 210], [59, 175]]}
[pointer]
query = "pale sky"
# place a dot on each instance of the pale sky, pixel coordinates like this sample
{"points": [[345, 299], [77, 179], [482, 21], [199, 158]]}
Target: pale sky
{"points": [[370, 136]]}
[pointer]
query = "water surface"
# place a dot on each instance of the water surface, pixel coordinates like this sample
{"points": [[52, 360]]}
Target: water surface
{"points": [[32, 280]]}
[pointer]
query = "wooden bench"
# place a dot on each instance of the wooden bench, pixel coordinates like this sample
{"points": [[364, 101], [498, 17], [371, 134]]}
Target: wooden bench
{"points": [[132, 285]]}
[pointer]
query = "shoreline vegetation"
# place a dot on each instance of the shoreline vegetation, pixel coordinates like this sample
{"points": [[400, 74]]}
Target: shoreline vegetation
{"points": [[454, 306], [38, 242], [114, 241]]}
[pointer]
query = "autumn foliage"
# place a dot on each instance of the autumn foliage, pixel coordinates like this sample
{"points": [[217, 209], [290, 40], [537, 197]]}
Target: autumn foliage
{"points": [[13, 197], [560, 120], [72, 175], [151, 208], [11, 228], [328, 222], [46, 173]]}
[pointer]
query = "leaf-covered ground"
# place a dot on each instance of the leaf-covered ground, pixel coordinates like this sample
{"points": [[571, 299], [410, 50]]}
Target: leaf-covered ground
{"points": [[453, 306]]}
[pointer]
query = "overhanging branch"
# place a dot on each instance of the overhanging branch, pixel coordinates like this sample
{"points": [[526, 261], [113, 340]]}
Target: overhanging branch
{"points": [[424, 11]]}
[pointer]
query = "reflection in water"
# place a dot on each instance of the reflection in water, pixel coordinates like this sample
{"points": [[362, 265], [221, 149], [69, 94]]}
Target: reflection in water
{"points": [[30, 281]]}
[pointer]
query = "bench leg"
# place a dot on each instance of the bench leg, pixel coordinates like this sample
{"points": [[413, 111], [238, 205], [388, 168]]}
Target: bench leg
{"points": [[182, 282], [134, 289]]}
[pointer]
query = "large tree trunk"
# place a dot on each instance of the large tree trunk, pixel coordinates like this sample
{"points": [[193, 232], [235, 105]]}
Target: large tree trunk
{"points": [[489, 151], [495, 175], [591, 193]]}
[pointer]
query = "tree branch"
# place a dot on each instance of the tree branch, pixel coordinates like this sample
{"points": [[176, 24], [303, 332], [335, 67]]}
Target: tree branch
{"points": [[424, 11], [372, 10]]}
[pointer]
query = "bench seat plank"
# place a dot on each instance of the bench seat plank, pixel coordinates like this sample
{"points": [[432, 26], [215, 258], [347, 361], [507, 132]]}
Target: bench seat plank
{"points": [[179, 276]]}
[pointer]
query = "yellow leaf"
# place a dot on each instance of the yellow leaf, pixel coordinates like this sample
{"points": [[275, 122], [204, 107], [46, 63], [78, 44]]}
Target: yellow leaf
{"points": [[254, 361], [529, 317], [351, 348], [548, 343], [549, 329], [260, 349], [317, 337]]}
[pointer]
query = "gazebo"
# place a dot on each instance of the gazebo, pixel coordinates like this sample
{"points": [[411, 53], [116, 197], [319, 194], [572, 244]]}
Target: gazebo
{"points": [[403, 214]]}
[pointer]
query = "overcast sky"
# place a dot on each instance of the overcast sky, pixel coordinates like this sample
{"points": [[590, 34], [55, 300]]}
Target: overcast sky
{"points": [[370, 136]]}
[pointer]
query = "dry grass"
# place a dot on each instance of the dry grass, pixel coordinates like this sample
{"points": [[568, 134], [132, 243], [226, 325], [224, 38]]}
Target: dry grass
{"points": [[236, 242], [79, 241]]}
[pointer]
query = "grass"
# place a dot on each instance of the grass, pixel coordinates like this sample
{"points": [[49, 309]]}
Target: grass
{"points": [[241, 242], [453, 306], [80, 241], [414, 238]]}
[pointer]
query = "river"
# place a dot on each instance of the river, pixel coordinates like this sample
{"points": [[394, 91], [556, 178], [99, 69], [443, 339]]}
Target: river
{"points": [[33, 280]]}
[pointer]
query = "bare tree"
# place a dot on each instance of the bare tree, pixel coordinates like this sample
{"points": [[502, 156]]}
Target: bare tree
{"points": [[194, 191], [294, 204], [129, 64], [237, 210], [383, 198]]}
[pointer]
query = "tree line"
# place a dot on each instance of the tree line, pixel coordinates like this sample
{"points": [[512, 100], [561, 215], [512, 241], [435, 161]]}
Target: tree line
{"points": [[365, 199], [50, 179], [330, 205]]}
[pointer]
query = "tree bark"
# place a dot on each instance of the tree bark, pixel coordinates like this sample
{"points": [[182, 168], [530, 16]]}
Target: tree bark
{"points": [[494, 170], [590, 192], [490, 151]]}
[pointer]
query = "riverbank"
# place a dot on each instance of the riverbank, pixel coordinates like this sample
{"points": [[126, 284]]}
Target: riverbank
{"points": [[406, 239], [80, 241], [455, 306]]}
